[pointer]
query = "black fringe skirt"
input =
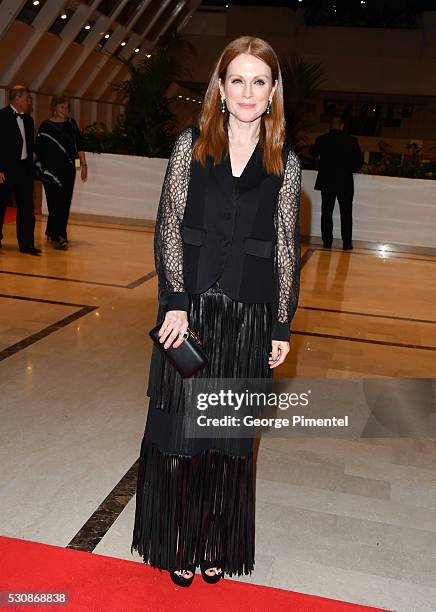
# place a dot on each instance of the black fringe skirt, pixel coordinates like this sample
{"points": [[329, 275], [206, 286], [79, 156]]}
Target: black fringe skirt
{"points": [[195, 496]]}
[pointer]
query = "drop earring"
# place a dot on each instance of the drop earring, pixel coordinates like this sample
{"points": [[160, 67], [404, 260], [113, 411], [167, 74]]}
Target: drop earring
{"points": [[223, 105], [269, 107]]}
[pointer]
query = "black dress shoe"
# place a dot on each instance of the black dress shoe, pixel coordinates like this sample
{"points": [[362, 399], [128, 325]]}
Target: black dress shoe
{"points": [[61, 244], [347, 247], [31, 251]]}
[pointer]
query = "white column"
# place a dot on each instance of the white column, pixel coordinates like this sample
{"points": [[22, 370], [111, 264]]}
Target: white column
{"points": [[109, 115], [40, 25], [117, 37], [75, 109], [9, 10], [93, 111], [88, 46], [157, 14], [68, 34], [146, 48], [133, 43], [119, 34]]}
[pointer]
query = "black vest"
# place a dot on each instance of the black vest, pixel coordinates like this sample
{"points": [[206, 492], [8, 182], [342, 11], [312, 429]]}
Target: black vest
{"points": [[229, 234]]}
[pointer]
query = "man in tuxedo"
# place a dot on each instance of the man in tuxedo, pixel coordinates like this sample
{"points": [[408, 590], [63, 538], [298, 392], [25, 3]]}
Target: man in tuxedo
{"points": [[16, 165], [340, 156]]}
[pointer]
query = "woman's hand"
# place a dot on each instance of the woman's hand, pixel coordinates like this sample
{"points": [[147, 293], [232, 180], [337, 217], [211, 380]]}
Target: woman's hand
{"points": [[278, 353], [175, 322], [2, 178], [83, 172]]}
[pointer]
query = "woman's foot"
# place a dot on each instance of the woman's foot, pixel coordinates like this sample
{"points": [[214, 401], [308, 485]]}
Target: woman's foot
{"points": [[210, 572], [184, 577]]}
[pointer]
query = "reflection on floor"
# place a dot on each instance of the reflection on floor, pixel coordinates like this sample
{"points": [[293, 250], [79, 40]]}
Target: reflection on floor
{"points": [[347, 519]]}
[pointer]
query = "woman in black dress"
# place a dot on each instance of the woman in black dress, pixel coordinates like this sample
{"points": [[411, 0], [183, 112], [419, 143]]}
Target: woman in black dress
{"points": [[59, 152], [227, 256]]}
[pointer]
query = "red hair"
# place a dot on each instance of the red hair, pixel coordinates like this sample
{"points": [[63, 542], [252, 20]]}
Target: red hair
{"points": [[213, 139]]}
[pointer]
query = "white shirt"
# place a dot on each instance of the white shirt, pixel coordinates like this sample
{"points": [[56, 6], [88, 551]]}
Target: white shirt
{"points": [[23, 132]]}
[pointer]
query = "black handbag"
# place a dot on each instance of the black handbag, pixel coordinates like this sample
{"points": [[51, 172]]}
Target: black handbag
{"points": [[188, 358]]}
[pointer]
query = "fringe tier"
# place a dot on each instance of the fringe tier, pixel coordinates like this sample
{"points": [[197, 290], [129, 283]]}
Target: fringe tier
{"points": [[195, 508], [236, 338], [195, 497]]}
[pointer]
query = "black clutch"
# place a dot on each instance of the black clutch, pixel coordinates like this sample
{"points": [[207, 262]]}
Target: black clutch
{"points": [[188, 358]]}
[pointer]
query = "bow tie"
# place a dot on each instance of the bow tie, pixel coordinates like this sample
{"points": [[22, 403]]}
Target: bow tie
{"points": [[18, 114]]}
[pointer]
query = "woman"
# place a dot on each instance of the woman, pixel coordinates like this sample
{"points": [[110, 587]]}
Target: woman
{"points": [[59, 152], [227, 257]]}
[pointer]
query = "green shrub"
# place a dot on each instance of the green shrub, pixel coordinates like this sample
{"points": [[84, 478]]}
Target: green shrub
{"points": [[410, 165]]}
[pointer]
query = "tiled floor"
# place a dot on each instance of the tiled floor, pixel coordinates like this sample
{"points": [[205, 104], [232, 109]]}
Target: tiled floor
{"points": [[347, 519]]}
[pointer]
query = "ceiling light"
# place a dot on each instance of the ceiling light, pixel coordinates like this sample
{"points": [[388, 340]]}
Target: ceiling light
{"points": [[148, 55], [35, 2], [87, 27], [106, 35], [123, 44], [137, 50], [64, 16], [180, 96]]}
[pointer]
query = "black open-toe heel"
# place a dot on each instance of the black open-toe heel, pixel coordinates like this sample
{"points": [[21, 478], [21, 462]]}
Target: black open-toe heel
{"points": [[61, 244], [181, 580], [207, 565]]}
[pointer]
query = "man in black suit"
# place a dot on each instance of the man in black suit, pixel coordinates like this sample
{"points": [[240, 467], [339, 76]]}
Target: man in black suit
{"points": [[16, 165], [340, 156]]}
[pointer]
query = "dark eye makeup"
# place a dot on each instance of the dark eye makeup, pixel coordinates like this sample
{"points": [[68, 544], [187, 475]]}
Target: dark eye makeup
{"points": [[261, 81]]}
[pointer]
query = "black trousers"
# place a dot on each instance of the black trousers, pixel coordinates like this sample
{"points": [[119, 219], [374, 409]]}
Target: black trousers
{"points": [[19, 182], [59, 203], [345, 199]]}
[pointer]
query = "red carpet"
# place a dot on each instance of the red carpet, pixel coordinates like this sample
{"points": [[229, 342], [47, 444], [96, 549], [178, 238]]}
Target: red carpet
{"points": [[11, 215], [105, 584]]}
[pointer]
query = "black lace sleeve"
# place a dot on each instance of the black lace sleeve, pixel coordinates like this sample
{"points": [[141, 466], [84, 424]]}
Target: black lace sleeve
{"points": [[168, 248], [287, 258]]}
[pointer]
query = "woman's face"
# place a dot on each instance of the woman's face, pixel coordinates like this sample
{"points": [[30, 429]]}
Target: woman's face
{"points": [[247, 87], [62, 110]]}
